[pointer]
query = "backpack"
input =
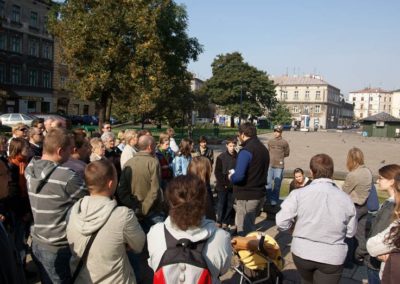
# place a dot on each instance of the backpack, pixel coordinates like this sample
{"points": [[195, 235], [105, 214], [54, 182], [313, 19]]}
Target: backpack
{"points": [[182, 262]]}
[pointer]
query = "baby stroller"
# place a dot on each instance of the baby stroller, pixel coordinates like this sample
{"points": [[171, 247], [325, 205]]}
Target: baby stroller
{"points": [[260, 259]]}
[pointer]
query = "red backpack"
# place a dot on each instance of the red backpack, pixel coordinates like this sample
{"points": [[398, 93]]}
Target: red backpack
{"points": [[182, 262]]}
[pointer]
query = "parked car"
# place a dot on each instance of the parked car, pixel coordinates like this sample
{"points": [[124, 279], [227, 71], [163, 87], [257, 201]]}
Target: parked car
{"points": [[11, 119], [90, 120]]}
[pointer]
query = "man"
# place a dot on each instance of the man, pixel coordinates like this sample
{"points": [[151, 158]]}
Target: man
{"points": [[117, 228], [10, 265], [139, 187], [106, 127], [53, 189], [131, 139], [225, 162], [249, 178], [278, 151], [19, 130], [322, 216], [80, 154], [36, 141]]}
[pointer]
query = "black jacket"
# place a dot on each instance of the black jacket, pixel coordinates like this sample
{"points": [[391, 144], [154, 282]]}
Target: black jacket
{"points": [[223, 164]]}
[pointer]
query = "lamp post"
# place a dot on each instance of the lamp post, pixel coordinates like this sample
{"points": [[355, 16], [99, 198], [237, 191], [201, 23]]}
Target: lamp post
{"points": [[241, 105]]}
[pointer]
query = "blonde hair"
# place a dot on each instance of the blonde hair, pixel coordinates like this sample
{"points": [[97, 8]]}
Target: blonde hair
{"points": [[355, 158], [201, 167]]}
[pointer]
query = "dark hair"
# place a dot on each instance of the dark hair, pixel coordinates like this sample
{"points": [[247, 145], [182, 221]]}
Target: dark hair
{"points": [[202, 139], [298, 170], [17, 145], [321, 166], [185, 147], [98, 174], [230, 140], [56, 138], [248, 129], [80, 139], [36, 121], [186, 196]]}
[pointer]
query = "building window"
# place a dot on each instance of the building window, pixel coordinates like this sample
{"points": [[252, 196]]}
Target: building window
{"points": [[47, 79], [306, 109], [390, 99], [362, 99], [307, 95], [371, 99], [2, 73], [85, 109], [295, 109], [47, 51], [296, 95], [318, 95], [15, 74], [354, 99], [45, 107], [3, 41], [285, 95], [31, 106], [2, 9], [317, 108], [33, 78], [33, 48], [361, 106], [384, 107], [16, 43], [16, 14], [63, 82], [33, 21]]}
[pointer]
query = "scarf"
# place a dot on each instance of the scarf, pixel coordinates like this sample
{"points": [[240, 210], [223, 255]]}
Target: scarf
{"points": [[21, 163]]}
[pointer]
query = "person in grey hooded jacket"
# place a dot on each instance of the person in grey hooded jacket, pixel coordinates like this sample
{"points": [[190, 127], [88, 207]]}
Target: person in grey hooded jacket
{"points": [[117, 227], [186, 197]]}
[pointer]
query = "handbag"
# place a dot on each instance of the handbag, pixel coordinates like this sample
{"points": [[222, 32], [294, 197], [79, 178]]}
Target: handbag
{"points": [[372, 200]]}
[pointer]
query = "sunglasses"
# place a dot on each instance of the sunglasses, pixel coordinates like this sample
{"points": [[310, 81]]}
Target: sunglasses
{"points": [[23, 129]]}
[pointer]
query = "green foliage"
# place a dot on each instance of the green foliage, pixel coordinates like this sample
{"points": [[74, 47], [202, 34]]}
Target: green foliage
{"points": [[233, 77], [280, 115], [133, 51]]}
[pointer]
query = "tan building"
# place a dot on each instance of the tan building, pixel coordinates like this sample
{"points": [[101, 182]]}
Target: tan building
{"points": [[310, 97], [371, 101], [395, 109]]}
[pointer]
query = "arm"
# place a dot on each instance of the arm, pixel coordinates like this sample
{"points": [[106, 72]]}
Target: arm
{"points": [[243, 161], [133, 233], [376, 245], [352, 225], [76, 188], [350, 183], [286, 216], [287, 150], [124, 194], [152, 195], [219, 175]]}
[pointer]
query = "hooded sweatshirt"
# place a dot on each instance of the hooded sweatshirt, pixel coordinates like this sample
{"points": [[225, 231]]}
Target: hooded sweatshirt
{"points": [[217, 252], [107, 260], [50, 206]]}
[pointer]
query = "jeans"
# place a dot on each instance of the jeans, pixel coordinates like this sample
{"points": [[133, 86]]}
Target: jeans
{"points": [[373, 276], [246, 213], [317, 272], [274, 175], [53, 266], [225, 206]]}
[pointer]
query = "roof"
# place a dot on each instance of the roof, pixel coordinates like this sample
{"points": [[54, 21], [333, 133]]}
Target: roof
{"points": [[382, 116], [299, 80], [370, 90]]}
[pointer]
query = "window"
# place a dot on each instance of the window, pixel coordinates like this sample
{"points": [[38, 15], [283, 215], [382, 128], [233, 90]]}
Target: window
{"points": [[285, 95], [16, 14], [390, 99], [3, 41], [85, 109], [306, 109], [296, 95], [317, 108], [2, 9], [295, 109], [45, 107], [384, 107], [15, 74], [63, 82], [33, 21], [2, 73], [47, 51], [307, 95], [362, 99], [361, 106], [47, 79], [354, 99], [33, 48], [16, 43], [318, 95], [33, 78], [371, 99]]}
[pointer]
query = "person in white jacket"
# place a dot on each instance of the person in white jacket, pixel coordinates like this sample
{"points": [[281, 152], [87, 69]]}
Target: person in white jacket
{"points": [[186, 196], [117, 227]]}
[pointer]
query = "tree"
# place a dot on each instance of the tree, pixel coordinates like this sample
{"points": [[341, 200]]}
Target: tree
{"points": [[280, 115], [232, 78], [133, 53]]}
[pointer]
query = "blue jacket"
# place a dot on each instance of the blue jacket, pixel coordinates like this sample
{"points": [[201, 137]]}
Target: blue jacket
{"points": [[180, 165]]}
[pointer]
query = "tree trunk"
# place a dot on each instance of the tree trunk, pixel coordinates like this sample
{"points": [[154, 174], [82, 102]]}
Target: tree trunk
{"points": [[232, 121], [102, 106], [108, 110]]}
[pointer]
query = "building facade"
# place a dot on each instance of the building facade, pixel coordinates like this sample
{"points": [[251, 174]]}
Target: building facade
{"points": [[371, 101], [395, 107], [312, 98]]}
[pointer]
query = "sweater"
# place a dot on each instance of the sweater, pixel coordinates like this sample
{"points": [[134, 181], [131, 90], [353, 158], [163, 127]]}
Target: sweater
{"points": [[358, 184], [251, 171], [107, 260], [278, 151]]}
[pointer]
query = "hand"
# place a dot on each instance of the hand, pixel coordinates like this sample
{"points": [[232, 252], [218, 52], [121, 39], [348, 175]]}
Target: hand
{"points": [[383, 257], [2, 218]]}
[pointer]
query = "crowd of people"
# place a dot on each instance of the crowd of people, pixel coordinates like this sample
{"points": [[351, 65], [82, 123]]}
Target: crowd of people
{"points": [[103, 209]]}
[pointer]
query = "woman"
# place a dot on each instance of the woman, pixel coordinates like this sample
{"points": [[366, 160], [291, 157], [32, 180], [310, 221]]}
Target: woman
{"points": [[186, 196], [383, 217], [201, 167], [165, 156], [98, 149], [300, 180], [18, 202], [358, 184], [182, 160]]}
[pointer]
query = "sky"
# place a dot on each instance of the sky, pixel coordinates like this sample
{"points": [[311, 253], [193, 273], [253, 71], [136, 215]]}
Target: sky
{"points": [[352, 44]]}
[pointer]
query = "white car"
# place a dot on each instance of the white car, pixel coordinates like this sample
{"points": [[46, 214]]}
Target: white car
{"points": [[11, 119]]}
